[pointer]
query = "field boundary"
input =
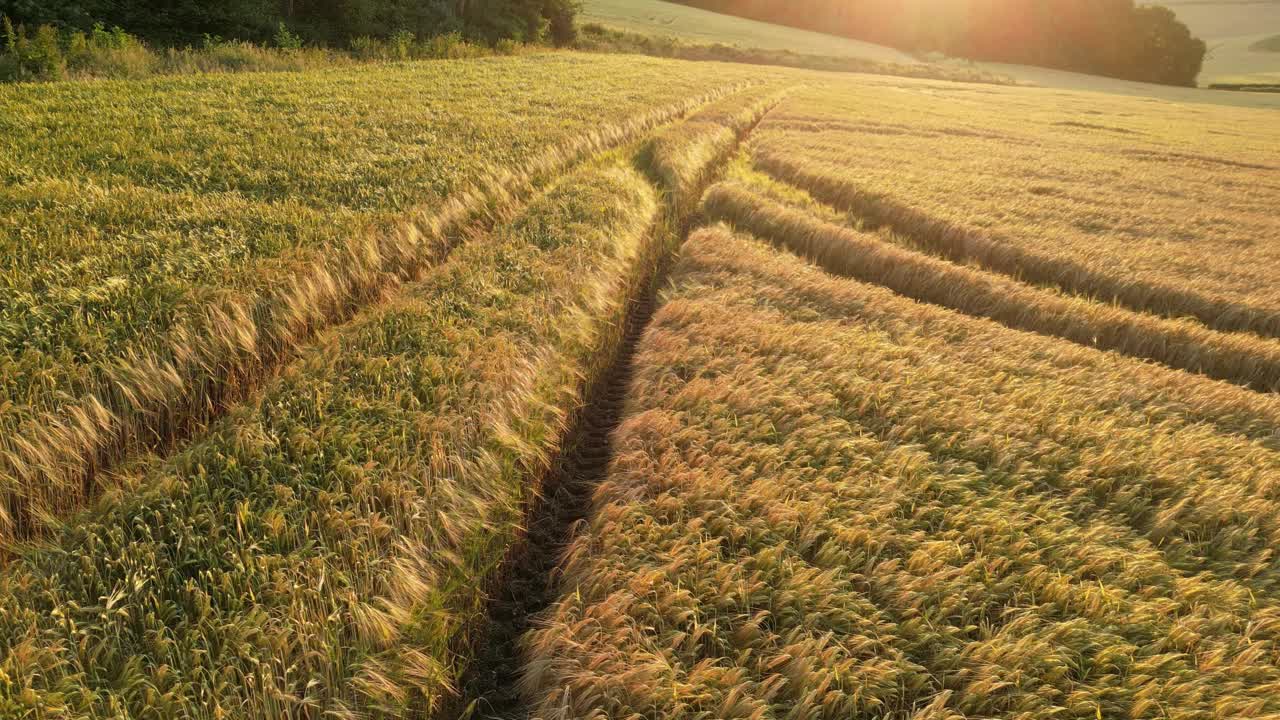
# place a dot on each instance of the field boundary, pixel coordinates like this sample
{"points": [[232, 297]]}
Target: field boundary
{"points": [[153, 397]]}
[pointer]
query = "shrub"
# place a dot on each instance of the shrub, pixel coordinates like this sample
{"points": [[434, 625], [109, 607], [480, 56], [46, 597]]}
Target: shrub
{"points": [[448, 46], [366, 48], [506, 46], [400, 44], [286, 40], [108, 53], [37, 56]]}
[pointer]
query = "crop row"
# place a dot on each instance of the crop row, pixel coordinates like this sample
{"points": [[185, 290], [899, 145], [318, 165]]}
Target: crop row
{"points": [[828, 184], [323, 550], [136, 308], [684, 156], [829, 501], [1103, 204], [1240, 358]]}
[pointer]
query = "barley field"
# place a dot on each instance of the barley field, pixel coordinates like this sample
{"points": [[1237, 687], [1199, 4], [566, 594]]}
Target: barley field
{"points": [[804, 395], [1167, 212], [831, 501]]}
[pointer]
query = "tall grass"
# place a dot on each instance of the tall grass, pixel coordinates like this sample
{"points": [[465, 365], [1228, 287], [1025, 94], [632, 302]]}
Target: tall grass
{"points": [[322, 550], [178, 352], [829, 502], [1243, 359]]}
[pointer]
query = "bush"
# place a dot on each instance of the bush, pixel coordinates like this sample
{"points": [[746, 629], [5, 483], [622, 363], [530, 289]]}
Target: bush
{"points": [[401, 44], [286, 40], [103, 53], [37, 56], [449, 46], [47, 54]]}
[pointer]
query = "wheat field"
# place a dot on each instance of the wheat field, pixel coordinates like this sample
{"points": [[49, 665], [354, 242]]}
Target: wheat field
{"points": [[946, 416], [153, 275], [937, 400]]}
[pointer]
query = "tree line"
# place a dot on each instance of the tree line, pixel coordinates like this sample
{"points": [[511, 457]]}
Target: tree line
{"points": [[1104, 37], [176, 23]]}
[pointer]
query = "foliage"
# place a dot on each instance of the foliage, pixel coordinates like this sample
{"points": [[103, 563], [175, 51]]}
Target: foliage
{"points": [[828, 501], [177, 23], [1106, 37], [286, 40], [37, 56]]}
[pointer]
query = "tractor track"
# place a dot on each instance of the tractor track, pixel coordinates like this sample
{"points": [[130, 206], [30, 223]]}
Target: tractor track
{"points": [[529, 581]]}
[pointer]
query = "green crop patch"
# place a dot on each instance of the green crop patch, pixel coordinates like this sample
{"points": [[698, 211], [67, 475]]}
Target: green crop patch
{"points": [[324, 548], [159, 253]]}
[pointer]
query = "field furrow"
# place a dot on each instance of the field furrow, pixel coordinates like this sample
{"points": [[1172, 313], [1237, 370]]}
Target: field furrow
{"points": [[319, 547], [965, 245], [1091, 196], [372, 499], [681, 160]]}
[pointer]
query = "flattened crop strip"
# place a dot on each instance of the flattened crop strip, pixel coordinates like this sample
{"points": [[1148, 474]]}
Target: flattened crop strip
{"points": [[684, 157], [51, 464], [1243, 359], [825, 182]]}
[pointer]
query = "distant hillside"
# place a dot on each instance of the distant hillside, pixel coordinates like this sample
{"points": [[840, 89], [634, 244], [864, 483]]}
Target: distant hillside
{"points": [[1237, 34], [1113, 39], [654, 17]]}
